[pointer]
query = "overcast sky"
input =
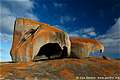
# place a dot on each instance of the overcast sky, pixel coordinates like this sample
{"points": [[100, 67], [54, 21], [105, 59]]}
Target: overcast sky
{"points": [[98, 19]]}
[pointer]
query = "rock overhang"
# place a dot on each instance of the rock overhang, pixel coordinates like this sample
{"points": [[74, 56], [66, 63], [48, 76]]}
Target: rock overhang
{"points": [[29, 36]]}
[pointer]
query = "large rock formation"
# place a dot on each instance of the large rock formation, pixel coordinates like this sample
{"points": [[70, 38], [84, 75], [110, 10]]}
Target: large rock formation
{"points": [[82, 47], [30, 36]]}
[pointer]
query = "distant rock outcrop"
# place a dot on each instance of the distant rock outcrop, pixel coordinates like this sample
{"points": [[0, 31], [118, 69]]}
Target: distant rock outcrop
{"points": [[82, 47], [30, 36]]}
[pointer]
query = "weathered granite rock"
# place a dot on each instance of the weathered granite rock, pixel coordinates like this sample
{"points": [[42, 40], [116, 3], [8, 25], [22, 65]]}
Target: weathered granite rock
{"points": [[82, 47], [62, 69], [29, 37]]}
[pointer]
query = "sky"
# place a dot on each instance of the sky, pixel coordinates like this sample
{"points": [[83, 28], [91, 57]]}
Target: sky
{"points": [[99, 19]]}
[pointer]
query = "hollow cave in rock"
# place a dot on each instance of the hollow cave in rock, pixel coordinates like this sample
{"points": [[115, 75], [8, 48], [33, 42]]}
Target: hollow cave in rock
{"points": [[52, 50]]}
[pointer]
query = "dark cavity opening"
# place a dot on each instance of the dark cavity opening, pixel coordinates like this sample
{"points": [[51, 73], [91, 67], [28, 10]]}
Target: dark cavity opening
{"points": [[50, 50], [64, 52]]}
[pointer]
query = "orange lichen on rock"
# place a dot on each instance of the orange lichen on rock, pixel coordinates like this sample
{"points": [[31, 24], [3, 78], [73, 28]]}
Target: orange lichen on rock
{"points": [[67, 74], [55, 65], [66, 69], [29, 36], [82, 47], [8, 68]]}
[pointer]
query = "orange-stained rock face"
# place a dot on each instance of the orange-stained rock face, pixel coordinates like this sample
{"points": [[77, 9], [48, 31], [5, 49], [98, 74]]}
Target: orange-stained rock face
{"points": [[29, 36], [62, 69], [82, 47]]}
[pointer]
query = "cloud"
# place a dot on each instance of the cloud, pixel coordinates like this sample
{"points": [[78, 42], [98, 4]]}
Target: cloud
{"points": [[58, 4], [66, 19], [92, 33], [5, 37], [12, 9], [7, 24], [4, 55], [75, 35], [111, 39], [44, 6], [9, 11], [74, 18], [88, 32], [1, 51], [85, 32]]}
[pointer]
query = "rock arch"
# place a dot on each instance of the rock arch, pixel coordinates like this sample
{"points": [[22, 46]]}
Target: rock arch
{"points": [[29, 36]]}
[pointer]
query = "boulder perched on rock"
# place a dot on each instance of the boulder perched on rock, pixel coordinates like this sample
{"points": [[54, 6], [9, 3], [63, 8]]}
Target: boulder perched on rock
{"points": [[30, 36], [82, 47]]}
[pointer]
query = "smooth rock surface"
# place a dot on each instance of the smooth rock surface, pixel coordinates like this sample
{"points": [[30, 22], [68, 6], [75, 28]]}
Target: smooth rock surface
{"points": [[82, 47], [62, 69]]}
